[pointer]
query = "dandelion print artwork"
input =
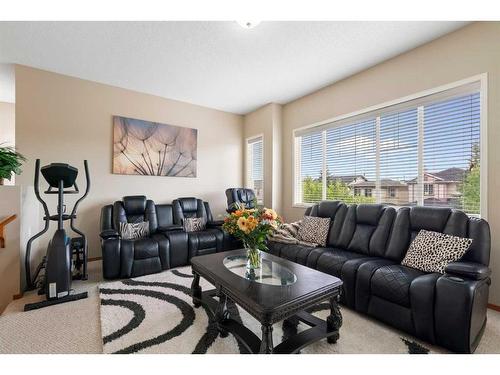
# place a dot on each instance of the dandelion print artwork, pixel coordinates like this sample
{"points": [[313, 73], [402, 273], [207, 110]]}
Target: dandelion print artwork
{"points": [[153, 149]]}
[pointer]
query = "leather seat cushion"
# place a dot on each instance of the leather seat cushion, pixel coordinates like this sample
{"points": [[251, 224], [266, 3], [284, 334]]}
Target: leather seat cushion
{"points": [[206, 239], [315, 254], [276, 248], [392, 283], [145, 248], [296, 253], [331, 262]]}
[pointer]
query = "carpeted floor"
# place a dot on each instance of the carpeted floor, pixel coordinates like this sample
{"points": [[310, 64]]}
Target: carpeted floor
{"points": [[75, 327]]}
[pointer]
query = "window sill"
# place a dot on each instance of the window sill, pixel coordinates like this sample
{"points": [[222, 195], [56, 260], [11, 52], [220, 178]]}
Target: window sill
{"points": [[302, 205]]}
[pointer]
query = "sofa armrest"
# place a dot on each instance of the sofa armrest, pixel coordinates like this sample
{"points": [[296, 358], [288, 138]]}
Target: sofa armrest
{"points": [[169, 228], [215, 223], [469, 270], [109, 233]]}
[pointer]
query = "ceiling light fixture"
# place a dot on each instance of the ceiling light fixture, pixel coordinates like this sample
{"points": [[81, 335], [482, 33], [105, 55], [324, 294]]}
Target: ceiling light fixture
{"points": [[248, 24]]}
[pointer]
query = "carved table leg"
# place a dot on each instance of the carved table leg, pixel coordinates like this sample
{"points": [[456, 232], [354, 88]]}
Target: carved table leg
{"points": [[266, 345], [221, 314], [334, 320], [196, 290]]}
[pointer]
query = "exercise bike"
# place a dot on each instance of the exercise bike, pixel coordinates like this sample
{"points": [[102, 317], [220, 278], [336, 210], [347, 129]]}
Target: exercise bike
{"points": [[66, 258]]}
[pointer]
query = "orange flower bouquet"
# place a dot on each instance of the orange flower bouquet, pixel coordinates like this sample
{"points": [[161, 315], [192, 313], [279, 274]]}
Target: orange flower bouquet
{"points": [[252, 227]]}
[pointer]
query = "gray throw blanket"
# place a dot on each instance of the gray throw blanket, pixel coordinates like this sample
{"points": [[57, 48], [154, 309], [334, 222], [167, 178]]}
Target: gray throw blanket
{"points": [[289, 233]]}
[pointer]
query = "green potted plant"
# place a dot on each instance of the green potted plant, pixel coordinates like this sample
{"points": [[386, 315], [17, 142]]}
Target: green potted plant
{"points": [[10, 162]]}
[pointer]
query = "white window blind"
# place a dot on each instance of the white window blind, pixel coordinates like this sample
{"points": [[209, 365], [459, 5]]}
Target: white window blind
{"points": [[452, 153], [425, 152], [398, 157], [310, 184], [255, 167], [350, 160]]}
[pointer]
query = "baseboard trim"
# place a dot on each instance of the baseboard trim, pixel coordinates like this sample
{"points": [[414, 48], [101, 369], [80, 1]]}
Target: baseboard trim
{"points": [[494, 307]]}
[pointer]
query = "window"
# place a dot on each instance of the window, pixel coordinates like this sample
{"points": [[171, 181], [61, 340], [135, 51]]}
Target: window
{"points": [[391, 192], [428, 149], [311, 168], [350, 160], [255, 167], [428, 189]]}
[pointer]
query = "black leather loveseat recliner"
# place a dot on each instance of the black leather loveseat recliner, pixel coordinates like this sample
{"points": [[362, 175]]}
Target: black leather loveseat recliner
{"points": [[239, 196], [366, 245], [167, 245], [208, 241]]}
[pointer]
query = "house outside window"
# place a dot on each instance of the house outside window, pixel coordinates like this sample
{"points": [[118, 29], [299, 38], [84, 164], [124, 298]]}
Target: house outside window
{"points": [[357, 192], [391, 192], [368, 192]]}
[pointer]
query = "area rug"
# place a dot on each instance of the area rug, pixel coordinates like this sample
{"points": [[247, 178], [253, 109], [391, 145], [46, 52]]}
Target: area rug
{"points": [[154, 314]]}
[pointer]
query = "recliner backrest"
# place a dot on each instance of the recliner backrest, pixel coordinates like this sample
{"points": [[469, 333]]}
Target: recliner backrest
{"points": [[411, 220], [165, 214], [239, 196], [479, 251], [134, 209], [336, 211], [366, 229], [188, 208]]}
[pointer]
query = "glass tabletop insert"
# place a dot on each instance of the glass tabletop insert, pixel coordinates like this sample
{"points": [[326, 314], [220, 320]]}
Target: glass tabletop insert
{"points": [[270, 273]]}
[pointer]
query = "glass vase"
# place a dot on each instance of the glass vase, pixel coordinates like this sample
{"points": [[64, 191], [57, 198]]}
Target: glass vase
{"points": [[254, 259]]}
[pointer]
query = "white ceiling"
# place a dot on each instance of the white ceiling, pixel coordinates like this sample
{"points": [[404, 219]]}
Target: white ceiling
{"points": [[214, 64]]}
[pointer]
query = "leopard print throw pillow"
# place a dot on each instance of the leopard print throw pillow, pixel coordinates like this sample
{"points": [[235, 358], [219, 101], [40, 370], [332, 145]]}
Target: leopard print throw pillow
{"points": [[432, 251], [314, 229]]}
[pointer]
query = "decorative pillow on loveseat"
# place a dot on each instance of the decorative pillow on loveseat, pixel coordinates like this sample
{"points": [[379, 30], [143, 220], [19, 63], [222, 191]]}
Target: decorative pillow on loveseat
{"points": [[432, 251], [134, 231], [194, 224], [314, 229]]}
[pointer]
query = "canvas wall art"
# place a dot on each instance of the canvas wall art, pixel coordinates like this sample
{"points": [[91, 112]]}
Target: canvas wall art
{"points": [[153, 149]]}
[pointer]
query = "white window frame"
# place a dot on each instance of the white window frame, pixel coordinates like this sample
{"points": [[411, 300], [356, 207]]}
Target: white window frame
{"points": [[407, 102], [248, 162]]}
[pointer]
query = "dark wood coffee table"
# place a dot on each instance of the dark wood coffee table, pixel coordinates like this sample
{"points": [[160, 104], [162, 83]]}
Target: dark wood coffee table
{"points": [[279, 290]]}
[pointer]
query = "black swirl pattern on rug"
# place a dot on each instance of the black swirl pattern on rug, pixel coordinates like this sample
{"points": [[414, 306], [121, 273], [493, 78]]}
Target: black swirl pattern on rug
{"points": [[211, 333], [137, 310], [187, 311], [415, 347], [181, 274]]}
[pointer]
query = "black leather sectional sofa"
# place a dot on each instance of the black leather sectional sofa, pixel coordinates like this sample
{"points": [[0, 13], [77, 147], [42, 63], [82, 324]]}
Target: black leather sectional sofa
{"points": [[365, 247], [167, 246]]}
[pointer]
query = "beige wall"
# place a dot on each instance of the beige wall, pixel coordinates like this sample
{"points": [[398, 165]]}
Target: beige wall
{"points": [[65, 119], [10, 199], [7, 129], [461, 54], [267, 121]]}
